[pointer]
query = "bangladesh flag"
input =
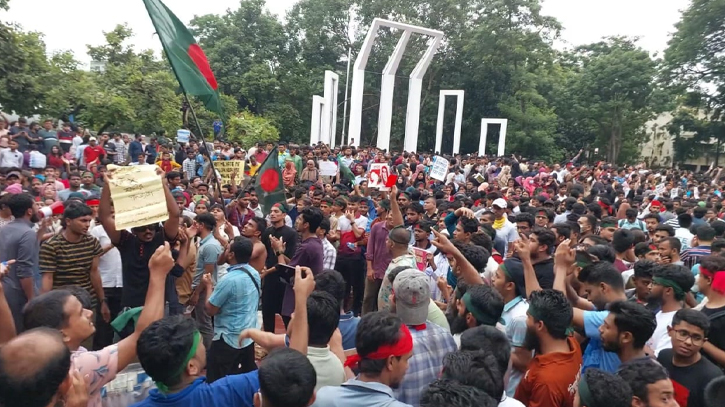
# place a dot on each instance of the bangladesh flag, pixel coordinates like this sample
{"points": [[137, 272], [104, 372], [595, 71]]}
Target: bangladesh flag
{"points": [[186, 57], [269, 185]]}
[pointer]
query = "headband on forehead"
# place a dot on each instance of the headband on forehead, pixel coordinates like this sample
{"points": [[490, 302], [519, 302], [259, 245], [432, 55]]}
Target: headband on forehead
{"points": [[480, 316], [666, 282], [400, 348], [163, 388], [717, 277], [281, 207]]}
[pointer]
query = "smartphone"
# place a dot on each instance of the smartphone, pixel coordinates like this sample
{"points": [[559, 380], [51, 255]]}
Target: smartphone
{"points": [[286, 273]]}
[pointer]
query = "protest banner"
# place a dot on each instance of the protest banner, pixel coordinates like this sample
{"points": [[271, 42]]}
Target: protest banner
{"points": [[327, 168], [182, 136], [378, 176], [421, 258], [439, 169], [225, 169], [138, 196]]}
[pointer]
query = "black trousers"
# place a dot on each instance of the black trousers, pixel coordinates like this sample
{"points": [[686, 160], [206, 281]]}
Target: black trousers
{"points": [[353, 271], [223, 360], [104, 332], [272, 297]]}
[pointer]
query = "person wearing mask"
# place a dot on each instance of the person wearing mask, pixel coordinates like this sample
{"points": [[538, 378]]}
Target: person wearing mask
{"points": [[670, 285], [689, 371], [273, 290], [61, 310], [35, 371], [233, 303], [626, 330], [552, 374], [384, 347]]}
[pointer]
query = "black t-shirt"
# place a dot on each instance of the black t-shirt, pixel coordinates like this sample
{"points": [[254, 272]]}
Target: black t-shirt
{"points": [[290, 237], [716, 335], [690, 381], [135, 256], [545, 273]]}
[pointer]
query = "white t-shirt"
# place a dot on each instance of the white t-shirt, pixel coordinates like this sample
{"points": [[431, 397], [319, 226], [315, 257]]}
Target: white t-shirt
{"points": [[660, 338], [110, 263], [330, 371]]}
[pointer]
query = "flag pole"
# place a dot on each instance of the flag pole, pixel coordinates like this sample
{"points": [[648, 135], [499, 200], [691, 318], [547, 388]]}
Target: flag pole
{"points": [[203, 143]]}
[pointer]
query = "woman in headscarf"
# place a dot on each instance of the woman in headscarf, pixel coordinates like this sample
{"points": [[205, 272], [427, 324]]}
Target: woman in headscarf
{"points": [[504, 177], [289, 174], [310, 173]]}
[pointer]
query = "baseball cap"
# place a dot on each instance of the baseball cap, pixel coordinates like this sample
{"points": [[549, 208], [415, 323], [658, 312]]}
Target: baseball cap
{"points": [[501, 203], [412, 296], [92, 139]]}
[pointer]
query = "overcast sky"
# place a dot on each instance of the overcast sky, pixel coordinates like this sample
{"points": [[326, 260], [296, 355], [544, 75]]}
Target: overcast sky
{"points": [[71, 24]]}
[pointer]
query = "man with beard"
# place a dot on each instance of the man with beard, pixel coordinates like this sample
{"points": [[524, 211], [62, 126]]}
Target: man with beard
{"points": [[272, 288], [602, 284], [552, 375], [670, 285], [253, 231], [238, 214], [137, 246], [508, 280], [480, 305], [71, 257], [254, 203], [626, 329], [384, 347], [20, 243]]}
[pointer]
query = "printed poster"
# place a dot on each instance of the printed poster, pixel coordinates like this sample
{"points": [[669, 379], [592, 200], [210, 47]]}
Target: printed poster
{"points": [[421, 258], [439, 169], [378, 176]]}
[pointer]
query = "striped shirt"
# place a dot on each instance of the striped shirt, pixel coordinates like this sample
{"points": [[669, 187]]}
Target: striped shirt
{"points": [[694, 255], [70, 262]]}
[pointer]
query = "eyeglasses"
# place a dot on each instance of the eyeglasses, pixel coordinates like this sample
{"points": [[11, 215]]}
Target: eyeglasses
{"points": [[683, 335]]}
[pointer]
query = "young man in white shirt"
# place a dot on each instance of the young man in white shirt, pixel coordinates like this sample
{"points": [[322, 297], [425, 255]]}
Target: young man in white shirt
{"points": [[670, 285]]}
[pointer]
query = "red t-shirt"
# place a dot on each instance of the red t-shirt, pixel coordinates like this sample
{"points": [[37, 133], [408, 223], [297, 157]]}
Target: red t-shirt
{"points": [[91, 153]]}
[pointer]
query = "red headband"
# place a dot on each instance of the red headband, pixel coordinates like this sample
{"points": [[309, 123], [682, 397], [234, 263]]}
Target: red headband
{"points": [[400, 348], [718, 279]]}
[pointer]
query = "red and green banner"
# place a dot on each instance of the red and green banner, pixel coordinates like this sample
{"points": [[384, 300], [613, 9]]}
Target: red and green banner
{"points": [[269, 185], [186, 57]]}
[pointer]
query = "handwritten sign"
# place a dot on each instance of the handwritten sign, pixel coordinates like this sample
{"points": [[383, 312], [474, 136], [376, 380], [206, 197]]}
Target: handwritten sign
{"points": [[182, 136], [439, 169], [378, 176], [659, 189], [225, 169], [327, 168], [421, 258], [138, 196]]}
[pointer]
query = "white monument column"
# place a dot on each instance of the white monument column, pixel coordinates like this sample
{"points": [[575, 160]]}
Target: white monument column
{"points": [[484, 135], [329, 112], [318, 105], [388, 84], [459, 94]]}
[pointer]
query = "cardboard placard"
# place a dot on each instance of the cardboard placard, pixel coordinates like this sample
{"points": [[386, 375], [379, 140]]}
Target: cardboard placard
{"points": [[138, 196], [225, 169], [327, 168], [439, 170]]}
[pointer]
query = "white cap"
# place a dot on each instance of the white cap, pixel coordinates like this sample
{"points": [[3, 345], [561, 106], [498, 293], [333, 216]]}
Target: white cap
{"points": [[501, 203]]}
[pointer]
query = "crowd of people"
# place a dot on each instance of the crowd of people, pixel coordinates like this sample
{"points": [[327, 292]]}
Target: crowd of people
{"points": [[510, 282]]}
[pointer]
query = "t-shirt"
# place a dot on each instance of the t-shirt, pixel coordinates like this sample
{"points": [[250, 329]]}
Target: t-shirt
{"points": [[97, 368], [135, 256], [545, 273], [91, 153], [70, 263], [689, 381], [660, 339], [551, 379], [309, 253], [348, 329], [716, 336], [595, 355], [230, 391], [330, 371]]}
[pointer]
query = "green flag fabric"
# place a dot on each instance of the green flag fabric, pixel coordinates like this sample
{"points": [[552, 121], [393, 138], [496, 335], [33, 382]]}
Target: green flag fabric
{"points": [[187, 59], [269, 185], [345, 171]]}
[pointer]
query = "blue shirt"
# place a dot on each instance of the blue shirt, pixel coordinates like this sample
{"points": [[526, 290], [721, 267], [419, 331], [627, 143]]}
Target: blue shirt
{"points": [[595, 355], [348, 329], [237, 298], [209, 251], [232, 391], [135, 148], [355, 393]]}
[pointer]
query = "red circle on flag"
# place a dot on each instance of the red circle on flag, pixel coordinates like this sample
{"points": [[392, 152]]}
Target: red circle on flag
{"points": [[269, 181], [197, 55]]}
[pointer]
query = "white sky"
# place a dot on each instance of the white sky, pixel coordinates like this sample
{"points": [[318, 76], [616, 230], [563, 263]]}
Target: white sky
{"points": [[71, 24]]}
